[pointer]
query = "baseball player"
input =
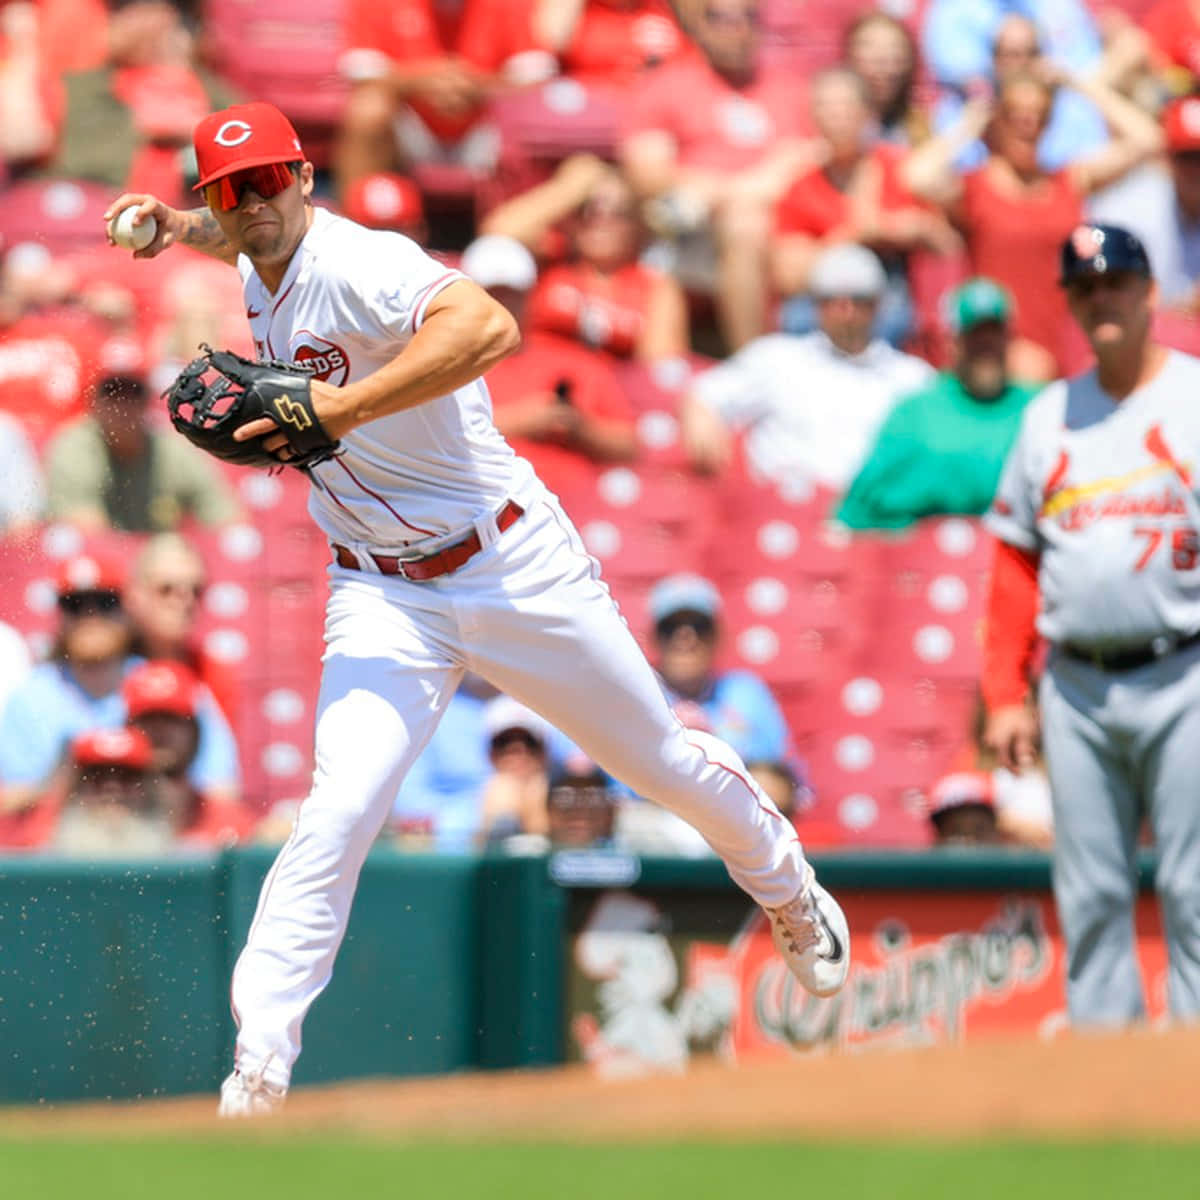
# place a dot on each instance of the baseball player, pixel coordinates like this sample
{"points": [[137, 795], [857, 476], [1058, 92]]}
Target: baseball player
{"points": [[448, 555], [1097, 515]]}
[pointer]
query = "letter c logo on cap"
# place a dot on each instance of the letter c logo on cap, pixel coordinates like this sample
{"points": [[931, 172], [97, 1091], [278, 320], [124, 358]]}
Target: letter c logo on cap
{"points": [[232, 133]]}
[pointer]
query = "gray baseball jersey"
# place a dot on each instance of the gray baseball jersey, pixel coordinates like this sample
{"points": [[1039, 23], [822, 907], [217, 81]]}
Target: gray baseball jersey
{"points": [[1108, 494]]}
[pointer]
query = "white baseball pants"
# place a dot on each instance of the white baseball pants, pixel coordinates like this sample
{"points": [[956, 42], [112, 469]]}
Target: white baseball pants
{"points": [[530, 614]]}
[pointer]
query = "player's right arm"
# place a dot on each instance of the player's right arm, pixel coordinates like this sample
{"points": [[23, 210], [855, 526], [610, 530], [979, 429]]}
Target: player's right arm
{"points": [[195, 227]]}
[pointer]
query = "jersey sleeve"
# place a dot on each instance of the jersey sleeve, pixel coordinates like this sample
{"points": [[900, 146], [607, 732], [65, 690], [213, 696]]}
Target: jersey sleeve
{"points": [[1014, 511], [396, 285]]}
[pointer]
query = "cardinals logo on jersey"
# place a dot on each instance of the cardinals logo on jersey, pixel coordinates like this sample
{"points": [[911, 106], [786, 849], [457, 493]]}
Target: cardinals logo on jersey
{"points": [[320, 358]]}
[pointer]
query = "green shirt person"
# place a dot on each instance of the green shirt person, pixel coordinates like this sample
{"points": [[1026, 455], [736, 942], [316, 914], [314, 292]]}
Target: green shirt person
{"points": [[114, 469], [941, 449]]}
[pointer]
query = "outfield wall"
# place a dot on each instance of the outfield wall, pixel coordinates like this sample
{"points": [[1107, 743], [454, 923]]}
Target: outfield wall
{"points": [[114, 977]]}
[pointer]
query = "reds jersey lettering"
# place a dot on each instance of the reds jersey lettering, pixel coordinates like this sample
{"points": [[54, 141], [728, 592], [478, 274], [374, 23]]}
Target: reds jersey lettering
{"points": [[351, 300]]}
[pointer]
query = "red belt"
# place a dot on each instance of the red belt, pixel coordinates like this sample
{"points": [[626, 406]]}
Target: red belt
{"points": [[432, 565]]}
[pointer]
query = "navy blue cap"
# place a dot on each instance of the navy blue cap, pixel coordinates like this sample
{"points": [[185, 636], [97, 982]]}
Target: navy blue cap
{"points": [[1100, 250]]}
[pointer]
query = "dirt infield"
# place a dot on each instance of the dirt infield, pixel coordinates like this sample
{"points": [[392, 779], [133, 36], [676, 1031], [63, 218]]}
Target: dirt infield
{"points": [[1132, 1085]]}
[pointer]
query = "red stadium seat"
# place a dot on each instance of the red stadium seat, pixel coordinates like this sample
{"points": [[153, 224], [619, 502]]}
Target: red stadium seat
{"points": [[64, 215]]}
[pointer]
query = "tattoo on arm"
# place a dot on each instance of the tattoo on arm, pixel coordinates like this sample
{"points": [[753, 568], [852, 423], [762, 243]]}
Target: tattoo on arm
{"points": [[201, 232]]}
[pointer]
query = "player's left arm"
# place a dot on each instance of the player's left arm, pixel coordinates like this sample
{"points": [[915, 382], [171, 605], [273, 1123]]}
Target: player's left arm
{"points": [[464, 333]]}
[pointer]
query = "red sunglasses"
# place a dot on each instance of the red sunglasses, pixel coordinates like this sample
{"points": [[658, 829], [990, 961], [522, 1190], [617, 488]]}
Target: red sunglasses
{"points": [[224, 195]]}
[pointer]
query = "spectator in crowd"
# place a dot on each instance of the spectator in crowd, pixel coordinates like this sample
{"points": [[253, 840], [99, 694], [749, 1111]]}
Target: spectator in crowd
{"points": [[128, 122], [608, 44], [22, 501], [514, 795], [854, 194], [439, 802], [602, 295], [558, 402], [1014, 214], [712, 144], [167, 579], [963, 812], [581, 806], [941, 449], [736, 706], [1160, 202], [421, 74], [998, 805], [48, 346], [387, 200], [883, 53], [1174, 30], [26, 89], [79, 688], [115, 469], [811, 404], [113, 807], [972, 46], [164, 700], [15, 661]]}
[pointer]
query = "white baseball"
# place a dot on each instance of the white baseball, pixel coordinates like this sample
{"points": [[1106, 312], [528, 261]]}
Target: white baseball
{"points": [[130, 236]]}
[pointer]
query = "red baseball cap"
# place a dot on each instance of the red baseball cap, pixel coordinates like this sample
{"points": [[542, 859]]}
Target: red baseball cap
{"points": [[160, 686], [246, 135], [384, 200], [112, 748], [88, 573], [1181, 123]]}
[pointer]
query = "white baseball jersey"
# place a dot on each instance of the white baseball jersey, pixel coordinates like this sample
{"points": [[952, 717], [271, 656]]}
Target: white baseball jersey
{"points": [[351, 300], [1107, 493]]}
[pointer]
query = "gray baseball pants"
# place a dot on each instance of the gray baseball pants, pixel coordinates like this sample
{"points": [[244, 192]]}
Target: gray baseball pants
{"points": [[1120, 746]]}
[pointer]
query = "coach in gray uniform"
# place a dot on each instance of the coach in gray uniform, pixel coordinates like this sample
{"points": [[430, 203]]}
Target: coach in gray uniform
{"points": [[1097, 515]]}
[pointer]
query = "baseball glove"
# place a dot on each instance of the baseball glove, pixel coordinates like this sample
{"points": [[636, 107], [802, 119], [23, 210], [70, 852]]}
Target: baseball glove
{"points": [[221, 391]]}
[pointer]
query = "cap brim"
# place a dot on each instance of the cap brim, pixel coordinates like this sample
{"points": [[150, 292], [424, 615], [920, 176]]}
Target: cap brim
{"points": [[258, 160]]}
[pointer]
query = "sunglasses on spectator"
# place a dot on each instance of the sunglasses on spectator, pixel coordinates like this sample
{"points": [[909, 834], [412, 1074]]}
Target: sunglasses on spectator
{"points": [[732, 17], [598, 210], [176, 587], [704, 627], [267, 181], [75, 604]]}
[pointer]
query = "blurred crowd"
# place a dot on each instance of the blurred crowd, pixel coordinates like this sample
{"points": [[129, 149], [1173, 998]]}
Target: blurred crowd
{"points": [[822, 235]]}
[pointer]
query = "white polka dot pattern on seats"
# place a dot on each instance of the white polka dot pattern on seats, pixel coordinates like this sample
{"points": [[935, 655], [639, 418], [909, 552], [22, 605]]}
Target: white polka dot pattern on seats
{"points": [[948, 594], [282, 758], [797, 490], [757, 644], [766, 596], [778, 539], [862, 696], [227, 645], [41, 596], [283, 706], [955, 537], [620, 487], [933, 643], [241, 542], [64, 201], [854, 752], [61, 541], [226, 600], [657, 430], [858, 811], [602, 538], [566, 97], [261, 490]]}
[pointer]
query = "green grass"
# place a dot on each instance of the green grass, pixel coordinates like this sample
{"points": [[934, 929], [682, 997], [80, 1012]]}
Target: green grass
{"points": [[354, 1170]]}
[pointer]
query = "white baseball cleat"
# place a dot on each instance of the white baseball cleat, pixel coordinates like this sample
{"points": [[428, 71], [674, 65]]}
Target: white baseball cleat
{"points": [[813, 937], [246, 1095]]}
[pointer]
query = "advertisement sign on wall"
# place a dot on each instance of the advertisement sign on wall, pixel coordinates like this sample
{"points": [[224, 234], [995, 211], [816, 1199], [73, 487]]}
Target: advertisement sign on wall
{"points": [[647, 991]]}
